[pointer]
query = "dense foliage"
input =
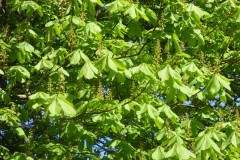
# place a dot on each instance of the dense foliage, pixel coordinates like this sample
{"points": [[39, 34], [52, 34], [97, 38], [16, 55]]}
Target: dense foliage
{"points": [[119, 79]]}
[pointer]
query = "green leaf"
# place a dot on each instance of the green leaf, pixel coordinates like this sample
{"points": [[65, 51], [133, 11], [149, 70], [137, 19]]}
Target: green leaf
{"points": [[224, 82], [191, 68], [111, 64], [34, 34], [9, 117], [76, 20], [199, 36], [142, 14], [115, 64], [49, 24], [204, 143], [151, 15], [1, 72], [158, 154], [98, 2], [92, 28], [47, 63], [168, 112], [76, 8], [39, 95], [59, 105], [232, 139], [184, 153], [78, 55], [26, 46], [20, 132], [176, 44], [19, 72], [116, 6], [153, 113], [142, 68], [66, 106], [131, 12], [88, 71], [216, 83], [168, 73], [192, 8]]}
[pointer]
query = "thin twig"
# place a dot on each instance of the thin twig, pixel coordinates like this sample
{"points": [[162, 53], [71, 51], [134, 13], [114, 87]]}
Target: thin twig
{"points": [[187, 105], [215, 27], [139, 52]]}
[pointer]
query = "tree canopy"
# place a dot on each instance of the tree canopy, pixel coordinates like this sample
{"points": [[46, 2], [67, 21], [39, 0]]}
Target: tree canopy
{"points": [[119, 79]]}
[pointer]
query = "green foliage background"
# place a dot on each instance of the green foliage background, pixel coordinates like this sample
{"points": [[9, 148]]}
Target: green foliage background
{"points": [[119, 79]]}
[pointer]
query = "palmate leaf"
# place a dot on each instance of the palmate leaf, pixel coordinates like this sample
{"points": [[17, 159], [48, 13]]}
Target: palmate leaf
{"points": [[204, 143], [24, 53], [31, 6], [158, 154], [168, 74], [44, 63], [116, 5], [58, 55], [60, 106], [58, 69], [168, 112], [142, 14], [198, 11], [77, 57], [115, 64], [38, 99], [92, 28], [39, 95], [111, 64], [192, 70], [19, 72], [72, 131], [55, 148], [217, 83], [88, 71], [76, 20], [174, 86], [154, 114], [179, 151], [9, 117], [143, 68], [135, 13], [233, 139], [102, 63], [131, 12]]}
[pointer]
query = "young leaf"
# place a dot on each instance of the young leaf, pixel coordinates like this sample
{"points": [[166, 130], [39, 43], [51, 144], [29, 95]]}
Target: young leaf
{"points": [[158, 154], [1, 72], [88, 71], [131, 12]]}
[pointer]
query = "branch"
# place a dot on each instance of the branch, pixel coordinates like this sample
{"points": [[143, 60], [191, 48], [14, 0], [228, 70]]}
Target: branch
{"points": [[132, 99], [231, 64], [139, 52], [215, 27], [187, 105], [105, 111], [105, 149]]}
